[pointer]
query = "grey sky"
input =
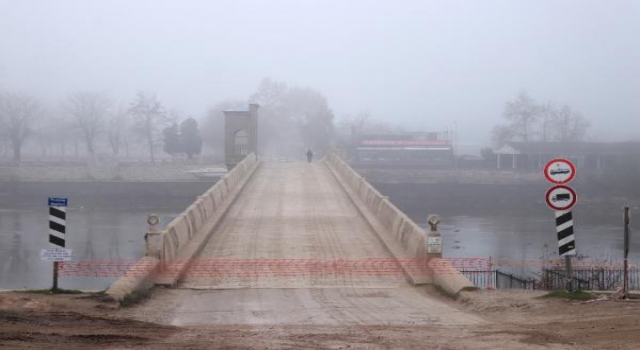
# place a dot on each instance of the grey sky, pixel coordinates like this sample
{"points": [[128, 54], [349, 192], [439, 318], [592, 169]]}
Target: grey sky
{"points": [[424, 64]]}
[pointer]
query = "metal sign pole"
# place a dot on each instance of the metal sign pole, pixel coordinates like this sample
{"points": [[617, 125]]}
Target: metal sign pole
{"points": [[55, 276], [625, 288], [567, 262]]}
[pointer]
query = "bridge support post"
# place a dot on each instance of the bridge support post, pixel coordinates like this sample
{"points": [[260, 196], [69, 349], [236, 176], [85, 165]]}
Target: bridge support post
{"points": [[434, 248], [153, 237], [434, 238]]}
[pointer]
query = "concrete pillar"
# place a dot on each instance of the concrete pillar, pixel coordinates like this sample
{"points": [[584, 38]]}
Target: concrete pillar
{"points": [[236, 122], [434, 239], [153, 237], [499, 165], [514, 161]]}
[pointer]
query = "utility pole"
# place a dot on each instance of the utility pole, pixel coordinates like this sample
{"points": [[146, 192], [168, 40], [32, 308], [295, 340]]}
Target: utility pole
{"points": [[455, 144]]}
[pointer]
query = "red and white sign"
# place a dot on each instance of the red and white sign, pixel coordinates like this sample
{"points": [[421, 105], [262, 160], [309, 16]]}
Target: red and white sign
{"points": [[404, 142], [561, 198], [559, 171]]}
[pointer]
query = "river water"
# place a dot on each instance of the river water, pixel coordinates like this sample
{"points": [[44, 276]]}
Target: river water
{"points": [[112, 233]]}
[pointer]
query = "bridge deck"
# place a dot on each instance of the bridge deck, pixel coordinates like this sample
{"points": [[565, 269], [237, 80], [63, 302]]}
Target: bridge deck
{"points": [[288, 213], [290, 217]]}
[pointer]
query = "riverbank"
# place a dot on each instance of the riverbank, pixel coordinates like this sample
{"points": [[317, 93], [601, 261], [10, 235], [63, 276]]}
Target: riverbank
{"points": [[101, 171], [102, 193]]}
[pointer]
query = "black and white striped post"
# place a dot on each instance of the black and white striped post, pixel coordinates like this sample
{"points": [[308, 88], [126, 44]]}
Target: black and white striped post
{"points": [[562, 199], [566, 237], [57, 230]]}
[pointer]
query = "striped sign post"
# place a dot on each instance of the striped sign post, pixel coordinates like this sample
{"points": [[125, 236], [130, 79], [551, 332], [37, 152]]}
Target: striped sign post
{"points": [[57, 233], [57, 221]]}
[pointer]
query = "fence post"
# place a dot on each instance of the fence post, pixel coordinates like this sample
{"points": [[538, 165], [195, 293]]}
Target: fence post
{"points": [[490, 284], [625, 288]]}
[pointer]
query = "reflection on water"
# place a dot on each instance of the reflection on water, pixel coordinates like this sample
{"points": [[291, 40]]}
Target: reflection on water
{"points": [[530, 238], [92, 234], [116, 234]]}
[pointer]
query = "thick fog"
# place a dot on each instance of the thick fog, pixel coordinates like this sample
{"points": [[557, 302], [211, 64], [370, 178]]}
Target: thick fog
{"points": [[428, 65]]}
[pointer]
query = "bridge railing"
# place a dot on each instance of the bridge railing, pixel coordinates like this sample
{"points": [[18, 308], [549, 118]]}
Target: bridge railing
{"points": [[185, 236], [179, 232], [406, 231], [401, 235]]}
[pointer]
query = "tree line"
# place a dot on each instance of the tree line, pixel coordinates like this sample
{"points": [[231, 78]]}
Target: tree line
{"points": [[291, 120], [526, 120], [92, 118]]}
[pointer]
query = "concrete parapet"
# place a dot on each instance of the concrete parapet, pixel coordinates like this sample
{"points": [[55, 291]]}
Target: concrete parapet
{"points": [[401, 236], [140, 277], [193, 219], [185, 236], [448, 278]]}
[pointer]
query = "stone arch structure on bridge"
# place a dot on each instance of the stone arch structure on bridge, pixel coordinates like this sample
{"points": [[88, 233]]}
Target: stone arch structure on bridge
{"points": [[241, 134]]}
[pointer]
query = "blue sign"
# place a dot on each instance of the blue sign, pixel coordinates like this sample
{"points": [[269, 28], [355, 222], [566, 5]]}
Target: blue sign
{"points": [[58, 202]]}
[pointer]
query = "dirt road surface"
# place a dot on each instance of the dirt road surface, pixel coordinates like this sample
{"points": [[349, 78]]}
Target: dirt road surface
{"points": [[512, 320]]}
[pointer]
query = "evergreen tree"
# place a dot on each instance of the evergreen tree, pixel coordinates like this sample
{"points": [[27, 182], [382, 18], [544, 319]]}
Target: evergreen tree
{"points": [[190, 137], [171, 140]]}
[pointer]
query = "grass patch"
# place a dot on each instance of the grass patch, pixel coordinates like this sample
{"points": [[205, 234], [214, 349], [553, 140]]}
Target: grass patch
{"points": [[563, 294], [55, 291], [135, 297]]}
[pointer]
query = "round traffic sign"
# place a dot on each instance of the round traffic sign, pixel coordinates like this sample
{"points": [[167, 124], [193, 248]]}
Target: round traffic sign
{"points": [[559, 171], [561, 198]]}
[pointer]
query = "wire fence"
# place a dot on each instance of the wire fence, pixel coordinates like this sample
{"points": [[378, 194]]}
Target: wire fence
{"points": [[591, 278], [496, 279], [600, 278]]}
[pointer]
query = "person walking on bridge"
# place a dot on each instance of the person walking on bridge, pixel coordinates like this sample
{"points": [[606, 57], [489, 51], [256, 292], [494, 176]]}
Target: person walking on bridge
{"points": [[309, 155]]}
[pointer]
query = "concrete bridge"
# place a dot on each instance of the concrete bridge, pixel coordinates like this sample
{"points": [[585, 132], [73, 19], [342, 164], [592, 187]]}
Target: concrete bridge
{"points": [[293, 242]]}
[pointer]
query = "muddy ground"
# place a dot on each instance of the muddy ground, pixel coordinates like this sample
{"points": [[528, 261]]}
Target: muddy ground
{"points": [[515, 320]]}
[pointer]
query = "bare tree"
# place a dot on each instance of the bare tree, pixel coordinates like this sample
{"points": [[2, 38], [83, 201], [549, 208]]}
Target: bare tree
{"points": [[89, 109], [44, 133], [526, 118], [116, 129], [569, 125], [18, 114], [501, 134], [292, 119], [150, 117], [547, 113], [310, 111], [356, 123], [522, 113], [279, 137]]}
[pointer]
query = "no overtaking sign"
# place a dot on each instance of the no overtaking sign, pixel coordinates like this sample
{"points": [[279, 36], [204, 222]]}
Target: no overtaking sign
{"points": [[561, 198], [559, 171]]}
